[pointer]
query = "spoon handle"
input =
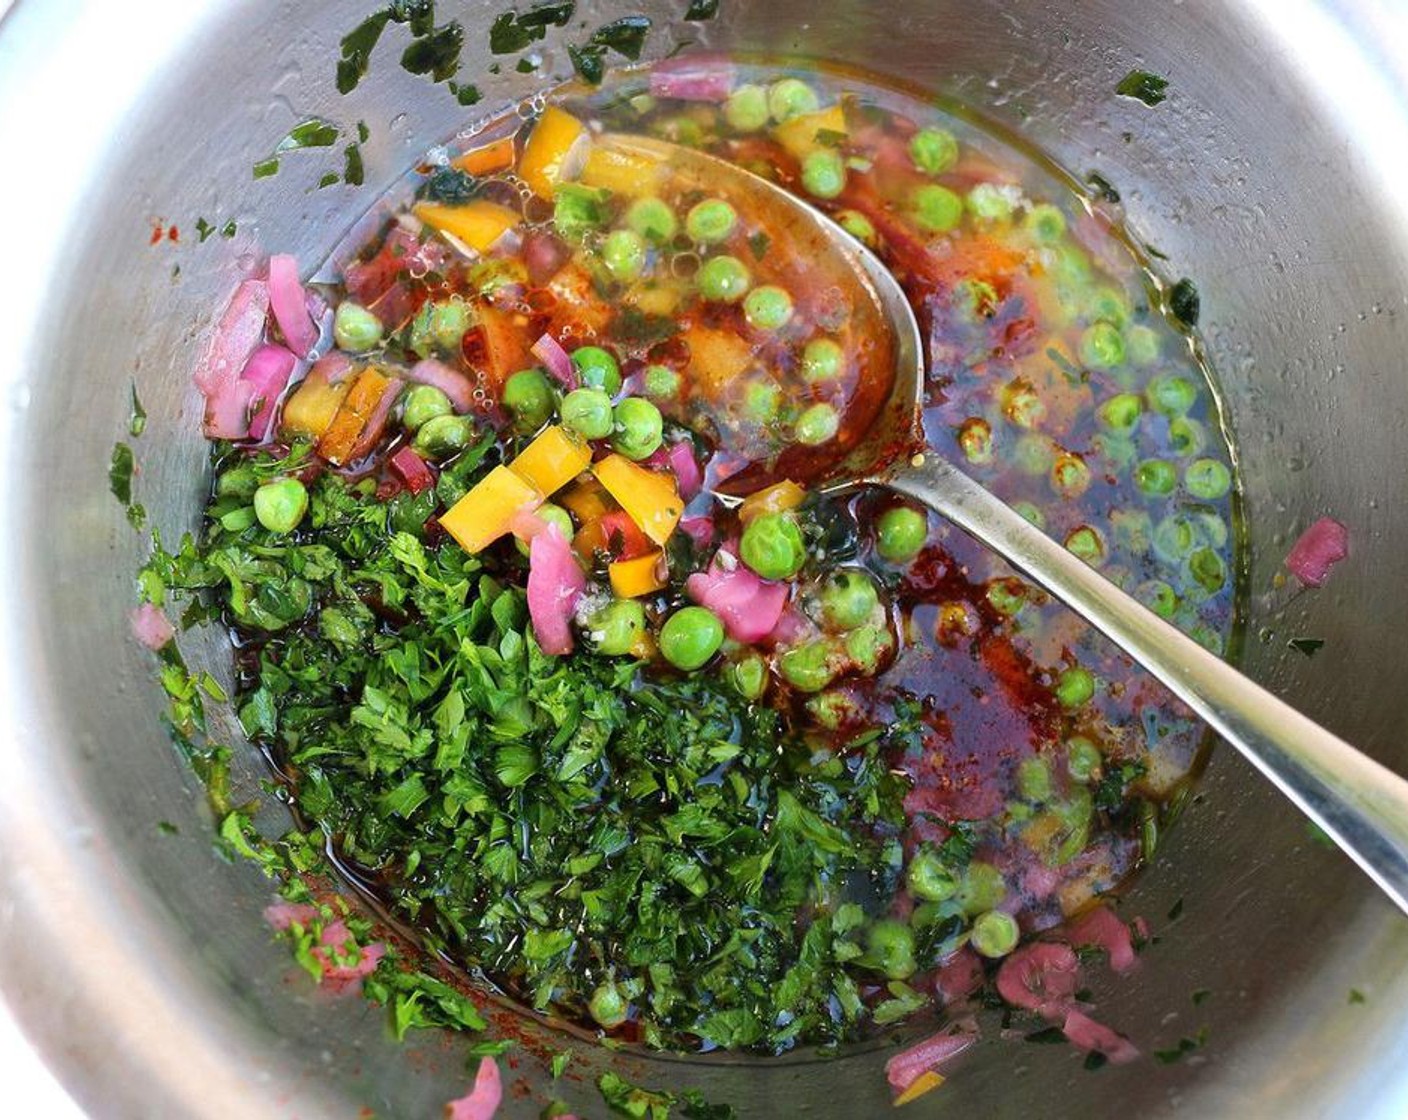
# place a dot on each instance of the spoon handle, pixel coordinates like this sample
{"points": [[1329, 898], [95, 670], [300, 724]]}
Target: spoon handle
{"points": [[1361, 805]]}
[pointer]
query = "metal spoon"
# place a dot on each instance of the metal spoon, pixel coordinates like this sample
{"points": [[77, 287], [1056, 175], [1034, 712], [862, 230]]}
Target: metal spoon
{"points": [[1360, 804]]}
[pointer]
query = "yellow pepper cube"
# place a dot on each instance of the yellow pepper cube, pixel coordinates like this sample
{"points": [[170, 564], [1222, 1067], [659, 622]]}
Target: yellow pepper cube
{"points": [[800, 135], [651, 499], [478, 224], [311, 408], [926, 1082], [484, 514], [623, 173], [552, 460], [555, 153], [643, 575]]}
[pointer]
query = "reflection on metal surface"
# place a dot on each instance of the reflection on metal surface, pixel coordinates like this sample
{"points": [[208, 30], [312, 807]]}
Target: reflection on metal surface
{"points": [[139, 962]]}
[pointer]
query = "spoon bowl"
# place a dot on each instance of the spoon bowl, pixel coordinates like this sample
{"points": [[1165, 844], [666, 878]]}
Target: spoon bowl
{"points": [[1361, 805]]}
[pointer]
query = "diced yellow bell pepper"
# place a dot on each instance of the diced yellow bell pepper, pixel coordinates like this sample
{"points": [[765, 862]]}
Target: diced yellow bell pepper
{"points": [[799, 135], [312, 406], [358, 405], [643, 648], [650, 498], [655, 297], [552, 460], [625, 173], [630, 579], [585, 500], [716, 359], [478, 223], [484, 514], [777, 498], [555, 153], [497, 155], [922, 1084]]}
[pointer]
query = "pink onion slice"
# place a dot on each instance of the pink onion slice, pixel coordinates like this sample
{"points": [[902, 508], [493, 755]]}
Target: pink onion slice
{"points": [[239, 332], [1085, 1033], [907, 1066], [290, 305], [699, 529], [1102, 928], [1318, 549], [151, 627], [686, 468], [411, 469], [555, 583], [1042, 977], [481, 1102], [268, 371], [694, 78], [748, 605], [556, 361], [959, 976], [450, 381], [343, 960]]}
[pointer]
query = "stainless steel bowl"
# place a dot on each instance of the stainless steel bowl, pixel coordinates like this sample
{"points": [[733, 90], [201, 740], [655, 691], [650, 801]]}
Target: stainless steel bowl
{"points": [[1273, 176]]}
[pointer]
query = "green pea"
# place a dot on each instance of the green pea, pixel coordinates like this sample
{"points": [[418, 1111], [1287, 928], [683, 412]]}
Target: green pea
{"points": [[975, 438], [817, 424], [1212, 528], [1102, 346], [443, 436], [891, 946], [529, 396], [1120, 414], [608, 1006], [1029, 512], [661, 382], [1208, 568], [237, 482], [767, 307], [1034, 779], [553, 515], [868, 647], [723, 279], [975, 300], [762, 402], [746, 109], [616, 627], [933, 150], [710, 221], [653, 220], [588, 413], [1045, 223], [637, 428], [1208, 479], [824, 173], [1070, 477], [807, 667], [858, 226], [448, 323], [832, 710], [281, 504], [1074, 687], [1156, 477], [1142, 345], [690, 637], [848, 599], [989, 202], [1083, 759], [994, 934], [1173, 396], [1074, 815], [929, 878], [936, 209], [623, 253], [355, 329], [748, 675], [597, 369], [900, 533], [981, 888], [1109, 304], [1158, 596], [822, 360], [1116, 450], [1086, 543], [1186, 437], [790, 98], [1133, 529], [772, 546], [1021, 404], [419, 339], [578, 210], [1006, 596]]}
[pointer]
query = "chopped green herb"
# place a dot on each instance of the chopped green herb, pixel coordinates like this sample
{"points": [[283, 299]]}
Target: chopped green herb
{"points": [[700, 10], [166, 828], [203, 230], [266, 167], [1047, 1036], [328, 179], [625, 1099], [120, 473], [625, 36], [560, 1062], [1356, 996], [436, 53], [137, 416], [512, 32], [1201, 996], [1101, 188], [353, 172], [1308, 646], [313, 133], [449, 184], [465, 93], [357, 47], [589, 62], [758, 244], [363, 132], [697, 1108], [1319, 836], [1175, 911], [526, 66], [1143, 86], [1185, 1047], [1184, 303], [1095, 1060], [228, 229]]}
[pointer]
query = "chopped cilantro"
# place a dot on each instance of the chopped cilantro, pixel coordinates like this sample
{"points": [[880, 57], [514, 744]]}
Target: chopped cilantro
{"points": [[137, 415], [436, 53], [1356, 996], [512, 32], [700, 10], [353, 172], [1185, 1046], [203, 230], [1308, 646], [625, 1099], [313, 133], [357, 47], [266, 167], [1319, 836], [1095, 1060], [589, 62], [625, 36], [449, 184], [1047, 1036], [1175, 911], [560, 1062], [758, 243], [1201, 996], [1101, 188], [328, 179], [228, 229], [1143, 86], [120, 473], [465, 93], [1184, 303]]}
